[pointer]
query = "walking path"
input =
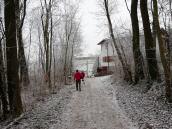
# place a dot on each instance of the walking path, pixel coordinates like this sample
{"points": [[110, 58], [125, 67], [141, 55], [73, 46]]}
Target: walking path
{"points": [[95, 107]]}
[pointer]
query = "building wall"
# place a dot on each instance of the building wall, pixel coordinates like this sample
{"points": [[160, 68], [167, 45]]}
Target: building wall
{"points": [[85, 64], [106, 50]]}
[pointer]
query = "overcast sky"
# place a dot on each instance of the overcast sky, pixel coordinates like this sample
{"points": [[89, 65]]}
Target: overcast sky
{"points": [[92, 29]]}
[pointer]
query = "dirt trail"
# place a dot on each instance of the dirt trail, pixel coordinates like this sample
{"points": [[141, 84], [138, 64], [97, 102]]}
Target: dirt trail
{"points": [[95, 107]]}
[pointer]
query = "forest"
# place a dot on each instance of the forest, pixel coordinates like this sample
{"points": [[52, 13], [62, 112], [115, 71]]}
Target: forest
{"points": [[39, 41]]}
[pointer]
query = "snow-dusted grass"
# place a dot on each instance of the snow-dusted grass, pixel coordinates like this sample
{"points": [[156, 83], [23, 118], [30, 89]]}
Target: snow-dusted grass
{"points": [[45, 112], [144, 107]]}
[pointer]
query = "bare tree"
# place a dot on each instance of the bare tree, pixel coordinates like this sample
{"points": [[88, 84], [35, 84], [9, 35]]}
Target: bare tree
{"points": [[70, 28], [149, 45], [20, 17], [163, 53], [138, 59], [76, 35], [125, 65], [3, 85], [12, 60], [46, 19]]}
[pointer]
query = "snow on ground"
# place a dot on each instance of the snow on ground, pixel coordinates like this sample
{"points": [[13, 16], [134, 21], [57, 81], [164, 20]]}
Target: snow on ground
{"points": [[45, 113], [95, 107], [144, 107]]}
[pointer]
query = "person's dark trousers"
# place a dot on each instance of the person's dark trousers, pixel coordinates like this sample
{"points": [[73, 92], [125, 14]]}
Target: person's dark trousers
{"points": [[78, 85]]}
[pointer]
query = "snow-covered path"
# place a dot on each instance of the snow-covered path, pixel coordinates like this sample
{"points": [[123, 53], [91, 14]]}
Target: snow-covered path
{"points": [[95, 107]]}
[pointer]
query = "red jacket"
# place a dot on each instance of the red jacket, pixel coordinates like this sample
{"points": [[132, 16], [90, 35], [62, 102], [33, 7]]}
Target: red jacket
{"points": [[77, 76], [83, 75]]}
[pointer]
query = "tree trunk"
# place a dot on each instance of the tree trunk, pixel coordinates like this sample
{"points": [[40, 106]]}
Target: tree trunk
{"points": [[54, 64], [71, 60], [170, 4], [139, 74], [126, 70], [47, 35], [3, 95], [50, 48], [12, 61], [24, 75], [154, 42], [149, 45], [68, 32], [65, 63], [164, 60]]}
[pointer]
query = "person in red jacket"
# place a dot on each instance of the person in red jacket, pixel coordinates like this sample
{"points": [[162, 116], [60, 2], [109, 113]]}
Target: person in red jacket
{"points": [[77, 78]]}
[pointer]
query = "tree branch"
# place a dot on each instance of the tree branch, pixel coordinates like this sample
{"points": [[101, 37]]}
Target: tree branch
{"points": [[127, 7], [24, 14]]}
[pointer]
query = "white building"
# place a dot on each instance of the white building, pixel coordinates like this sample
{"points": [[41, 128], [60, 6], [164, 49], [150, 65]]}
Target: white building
{"points": [[106, 59], [84, 64]]}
